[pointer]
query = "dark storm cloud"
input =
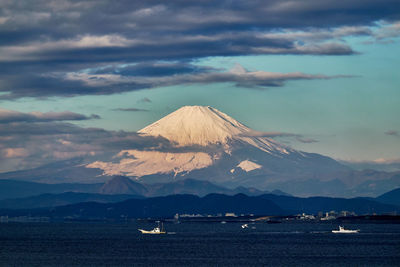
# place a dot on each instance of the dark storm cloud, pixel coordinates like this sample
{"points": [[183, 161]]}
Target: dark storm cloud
{"points": [[41, 40], [162, 17], [10, 116], [42, 86]]}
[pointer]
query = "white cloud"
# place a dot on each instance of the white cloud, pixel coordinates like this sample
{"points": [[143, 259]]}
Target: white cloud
{"points": [[150, 11], [388, 30]]}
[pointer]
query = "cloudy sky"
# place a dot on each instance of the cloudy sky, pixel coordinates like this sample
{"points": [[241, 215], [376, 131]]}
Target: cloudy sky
{"points": [[80, 77]]}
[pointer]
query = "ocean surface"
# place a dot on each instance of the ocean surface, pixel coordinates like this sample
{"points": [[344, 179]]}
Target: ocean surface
{"points": [[198, 244]]}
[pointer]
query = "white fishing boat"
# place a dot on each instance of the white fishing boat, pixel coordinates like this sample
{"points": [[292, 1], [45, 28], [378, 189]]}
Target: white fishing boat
{"points": [[244, 226], [345, 231], [156, 231]]}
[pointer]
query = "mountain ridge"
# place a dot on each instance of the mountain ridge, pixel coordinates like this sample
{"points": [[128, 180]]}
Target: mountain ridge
{"points": [[392, 197], [119, 185]]}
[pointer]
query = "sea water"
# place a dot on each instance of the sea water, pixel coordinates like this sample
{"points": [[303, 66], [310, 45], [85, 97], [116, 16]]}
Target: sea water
{"points": [[198, 244]]}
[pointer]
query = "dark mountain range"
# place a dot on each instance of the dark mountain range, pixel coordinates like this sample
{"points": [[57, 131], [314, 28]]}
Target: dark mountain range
{"points": [[391, 197], [53, 200], [120, 185], [217, 203], [125, 185], [168, 206], [314, 205], [188, 186], [19, 189]]}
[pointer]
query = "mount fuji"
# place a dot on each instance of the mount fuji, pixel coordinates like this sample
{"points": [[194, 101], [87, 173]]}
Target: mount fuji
{"points": [[207, 144], [204, 144]]}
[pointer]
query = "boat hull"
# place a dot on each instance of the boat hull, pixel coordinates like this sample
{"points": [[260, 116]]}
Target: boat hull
{"points": [[151, 232], [345, 232]]}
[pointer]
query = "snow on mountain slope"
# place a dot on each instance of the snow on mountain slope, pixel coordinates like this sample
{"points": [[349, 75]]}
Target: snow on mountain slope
{"points": [[200, 125], [140, 163], [248, 165]]}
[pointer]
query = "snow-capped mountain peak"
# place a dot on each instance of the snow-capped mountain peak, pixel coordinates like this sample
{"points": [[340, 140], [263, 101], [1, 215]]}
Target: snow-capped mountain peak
{"points": [[196, 125], [204, 125]]}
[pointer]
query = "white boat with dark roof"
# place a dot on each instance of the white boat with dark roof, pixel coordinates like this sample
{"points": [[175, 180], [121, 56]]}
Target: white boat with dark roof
{"points": [[156, 231], [345, 231]]}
